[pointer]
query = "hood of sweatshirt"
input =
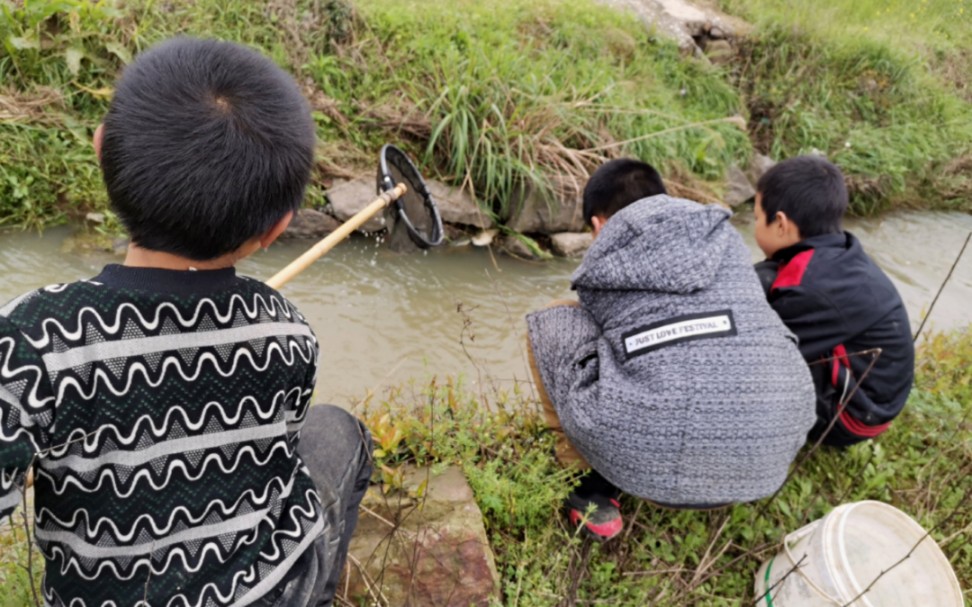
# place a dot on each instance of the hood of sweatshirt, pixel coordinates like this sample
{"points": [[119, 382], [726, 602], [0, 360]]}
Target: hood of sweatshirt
{"points": [[661, 244]]}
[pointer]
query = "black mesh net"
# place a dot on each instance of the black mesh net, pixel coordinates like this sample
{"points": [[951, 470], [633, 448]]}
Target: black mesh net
{"points": [[413, 220]]}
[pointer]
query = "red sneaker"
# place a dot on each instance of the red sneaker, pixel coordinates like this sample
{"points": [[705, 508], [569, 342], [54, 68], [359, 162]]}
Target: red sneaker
{"points": [[598, 516]]}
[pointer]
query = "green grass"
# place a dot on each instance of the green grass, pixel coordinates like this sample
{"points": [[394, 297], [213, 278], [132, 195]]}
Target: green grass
{"points": [[932, 28], [499, 97], [16, 565], [881, 87], [57, 60], [549, 88], [923, 466]]}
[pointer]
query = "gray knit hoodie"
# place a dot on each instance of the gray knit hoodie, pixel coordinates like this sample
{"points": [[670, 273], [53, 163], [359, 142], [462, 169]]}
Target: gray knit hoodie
{"points": [[675, 379]]}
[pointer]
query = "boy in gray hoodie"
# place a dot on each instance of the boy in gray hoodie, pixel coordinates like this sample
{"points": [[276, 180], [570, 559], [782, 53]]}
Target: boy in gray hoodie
{"points": [[672, 379]]}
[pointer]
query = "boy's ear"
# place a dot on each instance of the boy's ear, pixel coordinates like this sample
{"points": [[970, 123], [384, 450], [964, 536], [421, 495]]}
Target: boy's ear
{"points": [[597, 222], [267, 238], [99, 137], [787, 228]]}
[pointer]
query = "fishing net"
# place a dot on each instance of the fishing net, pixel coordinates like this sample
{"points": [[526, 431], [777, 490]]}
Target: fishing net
{"points": [[413, 220]]}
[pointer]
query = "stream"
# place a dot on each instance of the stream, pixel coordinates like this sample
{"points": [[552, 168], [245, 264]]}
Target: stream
{"points": [[386, 320]]}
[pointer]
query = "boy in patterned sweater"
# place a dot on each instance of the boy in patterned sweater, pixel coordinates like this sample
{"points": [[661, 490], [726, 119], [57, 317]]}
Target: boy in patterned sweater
{"points": [[164, 404], [670, 378]]}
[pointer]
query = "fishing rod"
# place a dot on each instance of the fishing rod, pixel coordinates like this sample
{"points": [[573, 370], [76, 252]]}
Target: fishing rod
{"points": [[942, 288]]}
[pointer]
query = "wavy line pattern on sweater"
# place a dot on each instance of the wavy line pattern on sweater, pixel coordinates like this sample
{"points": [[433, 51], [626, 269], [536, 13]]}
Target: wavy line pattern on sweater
{"points": [[196, 400]]}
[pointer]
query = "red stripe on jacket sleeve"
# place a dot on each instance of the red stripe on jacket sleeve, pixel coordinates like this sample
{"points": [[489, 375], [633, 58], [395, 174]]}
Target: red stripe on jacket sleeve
{"points": [[791, 273], [853, 425], [860, 428], [839, 358]]}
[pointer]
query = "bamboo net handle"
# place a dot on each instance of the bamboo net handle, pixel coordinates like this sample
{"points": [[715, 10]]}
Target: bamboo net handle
{"points": [[328, 242]]}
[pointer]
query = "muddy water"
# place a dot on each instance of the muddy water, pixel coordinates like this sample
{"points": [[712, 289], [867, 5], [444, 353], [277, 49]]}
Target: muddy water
{"points": [[384, 319], [916, 249]]}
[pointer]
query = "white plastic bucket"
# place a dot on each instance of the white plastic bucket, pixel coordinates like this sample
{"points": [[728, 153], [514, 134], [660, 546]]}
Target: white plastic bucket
{"points": [[833, 560]]}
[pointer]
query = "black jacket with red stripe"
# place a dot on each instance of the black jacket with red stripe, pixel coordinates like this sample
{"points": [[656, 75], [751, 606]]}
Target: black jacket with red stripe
{"points": [[839, 303]]}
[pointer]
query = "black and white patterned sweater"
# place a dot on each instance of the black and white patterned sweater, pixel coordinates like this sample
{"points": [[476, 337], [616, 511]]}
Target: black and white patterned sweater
{"points": [[163, 410]]}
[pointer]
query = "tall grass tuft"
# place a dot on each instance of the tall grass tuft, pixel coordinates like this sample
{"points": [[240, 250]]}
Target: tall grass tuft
{"points": [[538, 90], [874, 85]]}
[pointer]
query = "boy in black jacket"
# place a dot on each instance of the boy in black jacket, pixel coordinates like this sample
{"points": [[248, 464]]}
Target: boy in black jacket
{"points": [[834, 298]]}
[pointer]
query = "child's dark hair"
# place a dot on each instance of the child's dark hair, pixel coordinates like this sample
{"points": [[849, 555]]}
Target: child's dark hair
{"points": [[810, 190], [206, 145], [616, 184]]}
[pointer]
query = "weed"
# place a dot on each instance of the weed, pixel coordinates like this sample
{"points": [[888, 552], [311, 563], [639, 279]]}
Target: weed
{"points": [[57, 62], [525, 95], [852, 80], [552, 89], [923, 465], [13, 576], [498, 101], [47, 173]]}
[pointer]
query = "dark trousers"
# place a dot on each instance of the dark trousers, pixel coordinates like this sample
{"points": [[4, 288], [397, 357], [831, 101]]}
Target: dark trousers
{"points": [[828, 404], [336, 448]]}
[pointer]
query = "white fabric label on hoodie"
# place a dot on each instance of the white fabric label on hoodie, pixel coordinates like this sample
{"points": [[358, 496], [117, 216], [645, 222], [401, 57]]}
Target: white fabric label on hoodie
{"points": [[677, 330]]}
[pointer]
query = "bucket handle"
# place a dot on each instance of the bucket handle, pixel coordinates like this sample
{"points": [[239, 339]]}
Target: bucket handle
{"points": [[794, 537]]}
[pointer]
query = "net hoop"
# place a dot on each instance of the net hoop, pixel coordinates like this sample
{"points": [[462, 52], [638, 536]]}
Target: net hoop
{"points": [[392, 156]]}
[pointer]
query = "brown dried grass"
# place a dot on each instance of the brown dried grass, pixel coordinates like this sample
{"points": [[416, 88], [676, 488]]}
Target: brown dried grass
{"points": [[41, 105]]}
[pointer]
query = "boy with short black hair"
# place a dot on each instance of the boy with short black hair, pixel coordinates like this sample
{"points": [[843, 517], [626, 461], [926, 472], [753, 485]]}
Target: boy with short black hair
{"points": [[614, 186], [835, 298], [673, 379], [164, 405]]}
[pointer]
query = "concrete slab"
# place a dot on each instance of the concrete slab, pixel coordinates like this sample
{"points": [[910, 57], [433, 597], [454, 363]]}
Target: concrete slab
{"points": [[422, 545]]}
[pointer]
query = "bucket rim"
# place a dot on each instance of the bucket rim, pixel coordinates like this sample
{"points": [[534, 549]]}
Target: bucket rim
{"points": [[795, 537], [847, 584]]}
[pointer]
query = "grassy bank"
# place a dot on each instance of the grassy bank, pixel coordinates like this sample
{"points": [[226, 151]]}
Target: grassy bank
{"points": [[923, 466], [495, 96], [881, 87]]}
